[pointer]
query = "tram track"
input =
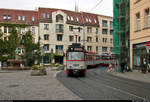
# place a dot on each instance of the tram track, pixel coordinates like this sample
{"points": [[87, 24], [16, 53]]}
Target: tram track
{"points": [[100, 85]]}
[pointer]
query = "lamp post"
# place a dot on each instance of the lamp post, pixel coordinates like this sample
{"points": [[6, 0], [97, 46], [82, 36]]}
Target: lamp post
{"points": [[51, 56], [42, 50]]}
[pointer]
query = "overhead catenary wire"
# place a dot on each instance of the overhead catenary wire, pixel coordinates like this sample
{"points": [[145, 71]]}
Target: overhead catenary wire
{"points": [[96, 5]]}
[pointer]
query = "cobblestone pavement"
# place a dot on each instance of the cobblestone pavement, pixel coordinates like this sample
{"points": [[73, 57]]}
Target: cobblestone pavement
{"points": [[20, 85], [134, 75]]}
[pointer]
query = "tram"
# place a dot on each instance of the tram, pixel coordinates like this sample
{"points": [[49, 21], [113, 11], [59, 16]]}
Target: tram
{"points": [[78, 59]]}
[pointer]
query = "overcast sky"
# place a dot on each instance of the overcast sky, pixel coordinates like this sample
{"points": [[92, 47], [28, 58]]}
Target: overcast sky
{"points": [[105, 7]]}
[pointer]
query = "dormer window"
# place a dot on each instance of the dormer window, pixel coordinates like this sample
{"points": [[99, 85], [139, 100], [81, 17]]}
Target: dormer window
{"points": [[9, 17], [23, 18], [4, 17], [19, 18], [68, 18], [86, 20], [48, 15], [71, 18], [77, 19], [33, 19], [90, 20], [95, 21], [59, 18], [44, 15]]}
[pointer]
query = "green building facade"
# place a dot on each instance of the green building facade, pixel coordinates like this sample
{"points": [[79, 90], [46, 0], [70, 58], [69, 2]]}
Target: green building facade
{"points": [[121, 24]]}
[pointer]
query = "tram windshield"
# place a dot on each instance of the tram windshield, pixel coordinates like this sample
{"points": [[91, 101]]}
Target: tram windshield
{"points": [[76, 56]]}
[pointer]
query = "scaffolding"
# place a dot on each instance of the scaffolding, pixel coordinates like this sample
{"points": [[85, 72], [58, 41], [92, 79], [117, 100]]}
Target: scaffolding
{"points": [[121, 23]]}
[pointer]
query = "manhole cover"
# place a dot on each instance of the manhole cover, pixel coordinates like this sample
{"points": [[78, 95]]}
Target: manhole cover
{"points": [[13, 85]]}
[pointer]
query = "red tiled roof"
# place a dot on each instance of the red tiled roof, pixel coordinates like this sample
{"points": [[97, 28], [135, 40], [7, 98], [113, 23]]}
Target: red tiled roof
{"points": [[15, 13], [79, 18], [74, 18]]}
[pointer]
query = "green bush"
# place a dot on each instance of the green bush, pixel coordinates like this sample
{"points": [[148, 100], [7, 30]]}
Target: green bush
{"points": [[37, 67], [57, 65]]}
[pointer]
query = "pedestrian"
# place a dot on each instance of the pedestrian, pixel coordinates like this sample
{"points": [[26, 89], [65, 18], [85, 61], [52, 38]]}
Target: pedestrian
{"points": [[123, 67], [110, 68]]}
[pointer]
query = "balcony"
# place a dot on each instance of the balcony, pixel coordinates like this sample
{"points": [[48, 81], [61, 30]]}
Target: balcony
{"points": [[59, 52], [59, 30]]}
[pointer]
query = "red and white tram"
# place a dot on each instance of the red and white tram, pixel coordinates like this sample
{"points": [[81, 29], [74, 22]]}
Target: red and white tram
{"points": [[78, 59]]}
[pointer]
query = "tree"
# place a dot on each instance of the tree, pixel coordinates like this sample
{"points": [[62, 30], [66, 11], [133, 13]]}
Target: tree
{"points": [[32, 50]]}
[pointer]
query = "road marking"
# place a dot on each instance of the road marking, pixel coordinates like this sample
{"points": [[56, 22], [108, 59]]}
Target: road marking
{"points": [[126, 92]]}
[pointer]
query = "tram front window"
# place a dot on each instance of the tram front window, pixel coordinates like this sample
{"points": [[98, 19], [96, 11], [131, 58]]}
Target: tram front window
{"points": [[76, 56]]}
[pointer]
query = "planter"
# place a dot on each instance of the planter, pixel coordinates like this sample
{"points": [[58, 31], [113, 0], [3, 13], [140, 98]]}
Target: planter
{"points": [[38, 70], [143, 70]]}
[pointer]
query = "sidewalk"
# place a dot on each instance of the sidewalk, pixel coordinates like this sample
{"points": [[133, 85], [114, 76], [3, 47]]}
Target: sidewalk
{"points": [[134, 75], [20, 85]]}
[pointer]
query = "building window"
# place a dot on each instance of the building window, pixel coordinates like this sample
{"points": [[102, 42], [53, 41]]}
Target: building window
{"points": [[138, 22], [5, 29], [147, 18], [70, 28], [68, 18], [9, 17], [46, 59], [89, 48], [46, 26], [104, 40], [46, 47], [104, 49], [89, 39], [59, 28], [89, 29], [33, 30], [44, 15], [111, 25], [48, 15], [59, 37], [96, 30], [111, 49], [111, 40], [96, 38], [23, 18], [104, 31], [4, 17], [59, 47], [111, 32], [23, 30], [71, 38], [77, 19], [79, 39], [97, 49], [33, 19], [19, 18], [104, 23], [9, 29], [46, 37], [71, 18], [59, 18]]}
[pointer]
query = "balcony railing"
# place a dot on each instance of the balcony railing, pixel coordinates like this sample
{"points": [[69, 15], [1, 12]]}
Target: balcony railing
{"points": [[59, 52], [59, 31]]}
